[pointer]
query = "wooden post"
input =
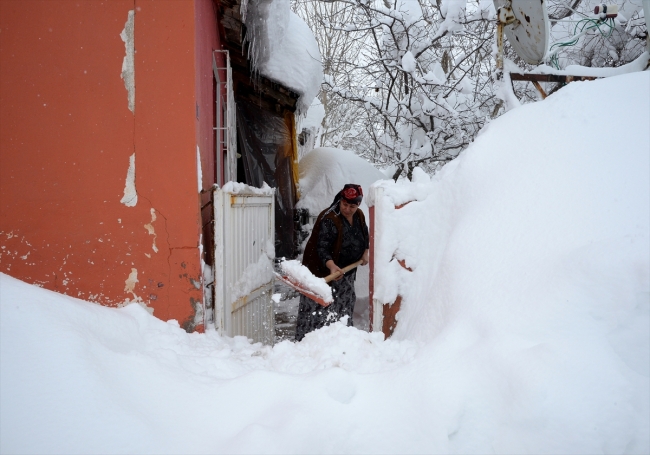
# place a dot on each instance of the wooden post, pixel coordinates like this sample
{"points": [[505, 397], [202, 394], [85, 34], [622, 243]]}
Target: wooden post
{"points": [[371, 264]]}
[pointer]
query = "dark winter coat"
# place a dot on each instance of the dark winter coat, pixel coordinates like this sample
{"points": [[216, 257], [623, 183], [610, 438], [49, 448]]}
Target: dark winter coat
{"points": [[334, 238]]}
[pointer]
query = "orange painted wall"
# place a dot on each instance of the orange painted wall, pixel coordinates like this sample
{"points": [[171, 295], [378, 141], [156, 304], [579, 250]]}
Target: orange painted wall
{"points": [[206, 42], [66, 135]]}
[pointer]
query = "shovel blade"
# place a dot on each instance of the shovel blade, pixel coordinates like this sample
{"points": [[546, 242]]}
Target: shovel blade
{"points": [[298, 287]]}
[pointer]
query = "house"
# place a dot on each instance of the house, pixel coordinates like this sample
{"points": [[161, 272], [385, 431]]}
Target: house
{"points": [[116, 120]]}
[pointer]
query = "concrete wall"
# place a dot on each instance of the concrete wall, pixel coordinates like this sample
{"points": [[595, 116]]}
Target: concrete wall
{"points": [[67, 136]]}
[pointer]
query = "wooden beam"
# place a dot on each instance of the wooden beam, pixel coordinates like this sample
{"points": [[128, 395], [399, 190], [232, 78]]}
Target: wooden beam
{"points": [[549, 77], [539, 88]]}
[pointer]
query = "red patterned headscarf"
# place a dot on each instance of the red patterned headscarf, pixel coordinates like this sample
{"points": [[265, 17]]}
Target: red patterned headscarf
{"points": [[352, 193]]}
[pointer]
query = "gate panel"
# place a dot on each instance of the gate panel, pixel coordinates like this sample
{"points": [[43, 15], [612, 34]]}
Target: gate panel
{"points": [[244, 233]]}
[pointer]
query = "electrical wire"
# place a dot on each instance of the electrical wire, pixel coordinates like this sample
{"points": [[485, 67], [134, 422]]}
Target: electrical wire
{"points": [[585, 26]]}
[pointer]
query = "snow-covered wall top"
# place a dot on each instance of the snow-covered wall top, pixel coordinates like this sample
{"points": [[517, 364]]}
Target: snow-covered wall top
{"points": [[241, 188], [283, 48]]}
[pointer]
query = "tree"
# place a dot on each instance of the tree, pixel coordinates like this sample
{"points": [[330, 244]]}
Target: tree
{"points": [[415, 72], [411, 82], [342, 125]]}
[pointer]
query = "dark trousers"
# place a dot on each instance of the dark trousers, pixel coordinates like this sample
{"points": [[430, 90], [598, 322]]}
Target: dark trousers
{"points": [[312, 316]]}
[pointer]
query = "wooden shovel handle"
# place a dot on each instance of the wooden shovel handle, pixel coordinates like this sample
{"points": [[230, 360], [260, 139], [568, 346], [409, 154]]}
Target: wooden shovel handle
{"points": [[345, 269]]}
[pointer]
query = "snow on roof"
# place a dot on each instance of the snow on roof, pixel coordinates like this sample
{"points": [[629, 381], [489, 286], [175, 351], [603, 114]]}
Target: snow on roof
{"points": [[283, 48], [314, 117], [325, 170]]}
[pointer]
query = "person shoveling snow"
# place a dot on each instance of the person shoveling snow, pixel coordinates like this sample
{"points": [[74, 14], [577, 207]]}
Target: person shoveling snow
{"points": [[338, 243]]}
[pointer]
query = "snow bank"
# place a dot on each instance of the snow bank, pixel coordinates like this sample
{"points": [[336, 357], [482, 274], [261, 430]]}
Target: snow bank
{"points": [[82, 378], [530, 271], [527, 313], [634, 66], [325, 170], [283, 48]]}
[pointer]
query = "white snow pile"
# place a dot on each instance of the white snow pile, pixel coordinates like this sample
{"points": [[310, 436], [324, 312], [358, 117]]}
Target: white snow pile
{"points": [[283, 48], [639, 64], [531, 274], [324, 171], [242, 188], [255, 275], [524, 326], [77, 377], [302, 276]]}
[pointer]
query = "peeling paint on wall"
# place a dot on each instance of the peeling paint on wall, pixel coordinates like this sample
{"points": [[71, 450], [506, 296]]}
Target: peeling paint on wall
{"points": [[129, 286], [130, 197], [199, 169], [152, 231], [129, 283], [128, 64], [15, 246]]}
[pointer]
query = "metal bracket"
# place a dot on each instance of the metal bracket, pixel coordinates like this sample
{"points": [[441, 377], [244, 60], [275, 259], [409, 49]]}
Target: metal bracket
{"points": [[505, 16]]}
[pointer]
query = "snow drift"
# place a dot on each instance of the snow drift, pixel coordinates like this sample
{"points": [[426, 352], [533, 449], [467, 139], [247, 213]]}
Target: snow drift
{"points": [[524, 327], [531, 275], [325, 170], [76, 377]]}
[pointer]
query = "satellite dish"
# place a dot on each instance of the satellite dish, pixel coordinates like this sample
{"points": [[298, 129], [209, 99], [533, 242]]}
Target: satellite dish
{"points": [[528, 34]]}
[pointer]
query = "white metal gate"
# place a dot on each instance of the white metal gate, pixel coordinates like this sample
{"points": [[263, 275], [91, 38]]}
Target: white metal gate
{"points": [[244, 243]]}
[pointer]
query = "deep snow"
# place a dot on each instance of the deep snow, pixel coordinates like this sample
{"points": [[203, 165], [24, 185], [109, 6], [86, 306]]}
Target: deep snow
{"points": [[525, 325], [533, 276], [325, 170]]}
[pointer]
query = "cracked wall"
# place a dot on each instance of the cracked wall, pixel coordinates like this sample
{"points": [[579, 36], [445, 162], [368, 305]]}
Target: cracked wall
{"points": [[128, 63]]}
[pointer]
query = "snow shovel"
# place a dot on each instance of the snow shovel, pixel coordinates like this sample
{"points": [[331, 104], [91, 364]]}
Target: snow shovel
{"points": [[299, 278]]}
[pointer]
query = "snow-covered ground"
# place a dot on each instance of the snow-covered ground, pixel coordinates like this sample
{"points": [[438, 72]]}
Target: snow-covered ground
{"points": [[525, 325]]}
